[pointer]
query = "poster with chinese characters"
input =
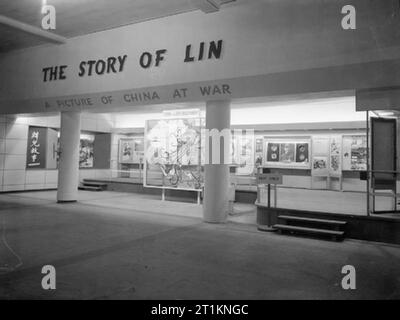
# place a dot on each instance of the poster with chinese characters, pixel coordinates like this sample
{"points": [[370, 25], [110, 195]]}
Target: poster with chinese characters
{"points": [[36, 148]]}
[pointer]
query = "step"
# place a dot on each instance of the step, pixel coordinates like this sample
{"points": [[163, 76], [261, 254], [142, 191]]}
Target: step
{"points": [[312, 220], [92, 183], [309, 230], [89, 188]]}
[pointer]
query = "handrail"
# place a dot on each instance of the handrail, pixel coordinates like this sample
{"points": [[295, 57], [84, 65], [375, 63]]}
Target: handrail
{"points": [[382, 171]]}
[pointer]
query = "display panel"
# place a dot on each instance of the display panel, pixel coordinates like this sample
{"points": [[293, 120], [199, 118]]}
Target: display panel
{"points": [[355, 153], [320, 166], [36, 152], [259, 152], [86, 151], [131, 150], [335, 161], [287, 153], [173, 153]]}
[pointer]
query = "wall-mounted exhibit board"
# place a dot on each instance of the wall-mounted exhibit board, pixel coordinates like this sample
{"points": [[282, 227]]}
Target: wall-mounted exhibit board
{"points": [[287, 152], [320, 162], [298, 156], [354, 152], [86, 151], [131, 150], [332, 156], [174, 153], [42, 148]]}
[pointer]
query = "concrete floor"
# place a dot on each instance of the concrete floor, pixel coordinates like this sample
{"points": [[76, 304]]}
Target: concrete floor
{"points": [[123, 246]]}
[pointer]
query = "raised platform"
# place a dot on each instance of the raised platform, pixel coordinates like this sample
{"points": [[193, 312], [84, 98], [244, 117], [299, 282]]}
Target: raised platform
{"points": [[130, 185], [379, 228]]}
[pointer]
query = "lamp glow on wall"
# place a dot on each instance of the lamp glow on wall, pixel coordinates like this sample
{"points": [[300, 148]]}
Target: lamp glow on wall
{"points": [[314, 111], [341, 109]]}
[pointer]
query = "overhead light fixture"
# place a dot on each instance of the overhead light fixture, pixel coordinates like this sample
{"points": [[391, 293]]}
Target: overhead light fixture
{"points": [[386, 113], [208, 6]]}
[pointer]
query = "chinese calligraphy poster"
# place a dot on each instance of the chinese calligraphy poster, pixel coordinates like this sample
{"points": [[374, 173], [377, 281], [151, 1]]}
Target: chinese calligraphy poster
{"points": [[36, 151]]}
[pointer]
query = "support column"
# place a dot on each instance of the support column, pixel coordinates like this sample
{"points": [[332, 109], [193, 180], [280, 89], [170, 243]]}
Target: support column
{"points": [[68, 168], [216, 176]]}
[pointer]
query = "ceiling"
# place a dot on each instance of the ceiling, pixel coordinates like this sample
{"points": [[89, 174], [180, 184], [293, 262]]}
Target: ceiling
{"points": [[79, 17]]}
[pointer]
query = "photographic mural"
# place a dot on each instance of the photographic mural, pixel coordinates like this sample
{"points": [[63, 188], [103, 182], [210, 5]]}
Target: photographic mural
{"points": [[173, 153]]}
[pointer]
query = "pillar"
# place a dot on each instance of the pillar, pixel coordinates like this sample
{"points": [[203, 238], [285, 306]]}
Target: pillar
{"points": [[68, 168], [216, 176]]}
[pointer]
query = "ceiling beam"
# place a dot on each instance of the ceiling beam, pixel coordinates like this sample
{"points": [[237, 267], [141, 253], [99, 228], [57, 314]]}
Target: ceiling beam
{"points": [[27, 28]]}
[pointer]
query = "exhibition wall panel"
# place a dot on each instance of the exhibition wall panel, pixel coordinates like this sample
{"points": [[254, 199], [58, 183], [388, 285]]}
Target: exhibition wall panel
{"points": [[14, 175]]}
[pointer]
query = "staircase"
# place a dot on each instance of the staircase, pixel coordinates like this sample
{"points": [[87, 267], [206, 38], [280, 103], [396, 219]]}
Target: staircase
{"points": [[324, 228], [92, 186]]}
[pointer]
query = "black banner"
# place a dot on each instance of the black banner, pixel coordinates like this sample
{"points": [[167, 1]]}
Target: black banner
{"points": [[36, 150]]}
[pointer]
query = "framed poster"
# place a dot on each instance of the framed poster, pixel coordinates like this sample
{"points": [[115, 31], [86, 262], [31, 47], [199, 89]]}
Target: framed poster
{"points": [[131, 150], [86, 151], [302, 152], [126, 150], [355, 153], [320, 166], [287, 153], [36, 148]]}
